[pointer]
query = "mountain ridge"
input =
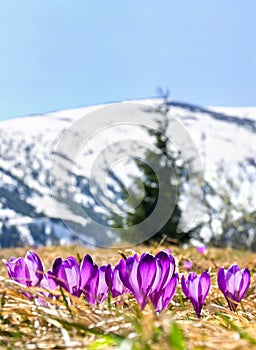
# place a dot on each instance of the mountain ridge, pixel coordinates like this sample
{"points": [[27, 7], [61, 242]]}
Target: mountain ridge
{"points": [[28, 145]]}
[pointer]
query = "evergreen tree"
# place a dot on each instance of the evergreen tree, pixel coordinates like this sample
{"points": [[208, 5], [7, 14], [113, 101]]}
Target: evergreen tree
{"points": [[167, 161]]}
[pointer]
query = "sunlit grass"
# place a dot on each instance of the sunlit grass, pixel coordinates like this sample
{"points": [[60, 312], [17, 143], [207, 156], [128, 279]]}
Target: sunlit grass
{"points": [[70, 323]]}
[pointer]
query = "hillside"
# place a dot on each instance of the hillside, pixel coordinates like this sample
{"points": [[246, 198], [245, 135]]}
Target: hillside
{"points": [[28, 146]]}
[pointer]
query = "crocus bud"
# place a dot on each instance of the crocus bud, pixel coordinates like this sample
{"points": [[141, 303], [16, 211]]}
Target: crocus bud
{"points": [[88, 271], [27, 271], [166, 281], [114, 283], [93, 281], [233, 283], [67, 275], [49, 284], [165, 295], [139, 276], [96, 289], [196, 289], [101, 290]]}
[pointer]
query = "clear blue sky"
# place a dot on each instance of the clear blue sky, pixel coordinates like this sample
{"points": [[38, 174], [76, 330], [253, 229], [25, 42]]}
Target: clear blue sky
{"points": [[59, 54]]}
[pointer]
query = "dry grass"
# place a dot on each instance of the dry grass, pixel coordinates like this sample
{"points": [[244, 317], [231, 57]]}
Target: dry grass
{"points": [[71, 324]]}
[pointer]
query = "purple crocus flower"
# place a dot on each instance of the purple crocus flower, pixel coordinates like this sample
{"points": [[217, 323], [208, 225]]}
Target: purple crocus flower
{"points": [[166, 281], [114, 283], [96, 289], [49, 284], [196, 289], [187, 264], [166, 294], [87, 278], [101, 287], [234, 283], [139, 276], [88, 271], [67, 275], [93, 281], [27, 271], [202, 249]]}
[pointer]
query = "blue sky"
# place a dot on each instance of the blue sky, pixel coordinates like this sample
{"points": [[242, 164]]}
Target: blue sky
{"points": [[59, 54]]}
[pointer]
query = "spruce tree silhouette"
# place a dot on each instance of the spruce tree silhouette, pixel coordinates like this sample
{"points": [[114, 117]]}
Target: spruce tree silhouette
{"points": [[168, 161]]}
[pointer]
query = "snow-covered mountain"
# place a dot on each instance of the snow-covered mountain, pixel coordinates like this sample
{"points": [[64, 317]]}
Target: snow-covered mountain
{"points": [[29, 146]]}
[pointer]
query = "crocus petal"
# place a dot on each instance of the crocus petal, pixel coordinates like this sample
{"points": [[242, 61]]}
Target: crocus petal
{"points": [[128, 274], [159, 278], [35, 267], [12, 258], [146, 273], [113, 281], [184, 286], [192, 284], [167, 263], [222, 280], [88, 270], [102, 287], [109, 276], [122, 273], [233, 280], [96, 288], [117, 285], [131, 273], [48, 282], [59, 273], [72, 271], [169, 291], [56, 266], [146, 276], [204, 285], [245, 283], [91, 288], [162, 300]]}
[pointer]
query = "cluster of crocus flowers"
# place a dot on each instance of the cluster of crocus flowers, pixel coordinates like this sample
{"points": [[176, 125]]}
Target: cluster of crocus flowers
{"points": [[86, 278], [29, 272], [151, 279]]}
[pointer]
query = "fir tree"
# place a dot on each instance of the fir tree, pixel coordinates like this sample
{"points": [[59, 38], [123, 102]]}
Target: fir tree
{"points": [[167, 161]]}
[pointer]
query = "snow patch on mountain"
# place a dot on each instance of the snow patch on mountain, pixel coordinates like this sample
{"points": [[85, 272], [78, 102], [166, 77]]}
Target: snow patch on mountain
{"points": [[28, 215]]}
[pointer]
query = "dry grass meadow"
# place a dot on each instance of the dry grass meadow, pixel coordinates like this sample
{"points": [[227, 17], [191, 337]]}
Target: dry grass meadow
{"points": [[72, 324]]}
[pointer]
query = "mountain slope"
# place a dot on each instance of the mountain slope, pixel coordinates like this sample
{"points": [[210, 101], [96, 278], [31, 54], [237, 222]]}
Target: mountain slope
{"points": [[29, 145]]}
